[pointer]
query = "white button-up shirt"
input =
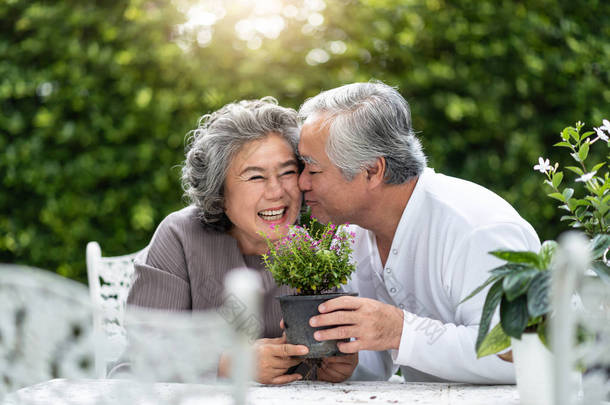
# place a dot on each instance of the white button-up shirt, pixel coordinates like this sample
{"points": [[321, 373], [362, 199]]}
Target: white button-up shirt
{"points": [[439, 255]]}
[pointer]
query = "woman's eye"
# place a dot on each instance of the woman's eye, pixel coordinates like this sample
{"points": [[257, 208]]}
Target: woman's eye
{"points": [[256, 178], [289, 172]]}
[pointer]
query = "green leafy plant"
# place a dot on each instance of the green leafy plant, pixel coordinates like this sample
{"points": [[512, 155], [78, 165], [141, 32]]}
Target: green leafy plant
{"points": [[588, 210], [521, 288], [313, 259]]}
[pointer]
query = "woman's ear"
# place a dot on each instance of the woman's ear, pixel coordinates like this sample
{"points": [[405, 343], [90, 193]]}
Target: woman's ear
{"points": [[375, 173]]}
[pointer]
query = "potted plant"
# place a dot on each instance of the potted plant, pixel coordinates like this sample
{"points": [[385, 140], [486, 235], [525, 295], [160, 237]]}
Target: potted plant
{"points": [[314, 260], [520, 287]]}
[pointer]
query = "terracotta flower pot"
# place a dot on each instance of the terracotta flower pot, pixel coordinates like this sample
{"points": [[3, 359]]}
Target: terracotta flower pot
{"points": [[296, 311]]}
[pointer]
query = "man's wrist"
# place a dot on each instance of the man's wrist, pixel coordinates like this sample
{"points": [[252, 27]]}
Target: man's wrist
{"points": [[397, 335]]}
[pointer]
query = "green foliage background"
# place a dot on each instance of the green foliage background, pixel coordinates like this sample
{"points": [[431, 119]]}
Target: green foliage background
{"points": [[96, 99]]}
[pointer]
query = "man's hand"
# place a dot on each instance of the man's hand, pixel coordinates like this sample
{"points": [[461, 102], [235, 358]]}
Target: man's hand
{"points": [[374, 325], [274, 358], [337, 368]]}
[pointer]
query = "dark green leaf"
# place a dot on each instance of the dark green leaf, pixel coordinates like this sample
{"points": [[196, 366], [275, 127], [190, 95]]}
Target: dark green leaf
{"points": [[576, 170], [586, 134], [601, 270], [538, 294], [574, 203], [583, 152], [481, 287], [547, 250], [494, 342], [541, 330], [573, 133], [514, 316], [599, 244], [557, 178], [489, 308], [508, 268], [598, 166], [557, 196], [516, 284], [526, 257]]}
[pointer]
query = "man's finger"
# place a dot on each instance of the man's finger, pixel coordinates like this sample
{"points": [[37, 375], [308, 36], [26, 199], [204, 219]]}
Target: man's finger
{"points": [[340, 332], [335, 304], [334, 318], [350, 347], [282, 324], [286, 378]]}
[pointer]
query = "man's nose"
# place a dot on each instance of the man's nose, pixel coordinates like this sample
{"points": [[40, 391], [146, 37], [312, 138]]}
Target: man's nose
{"points": [[305, 181]]}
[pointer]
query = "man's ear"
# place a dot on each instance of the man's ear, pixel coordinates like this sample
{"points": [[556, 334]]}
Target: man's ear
{"points": [[375, 173]]}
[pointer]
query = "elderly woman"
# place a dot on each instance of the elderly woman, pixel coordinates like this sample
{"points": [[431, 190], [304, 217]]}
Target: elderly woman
{"points": [[240, 176]]}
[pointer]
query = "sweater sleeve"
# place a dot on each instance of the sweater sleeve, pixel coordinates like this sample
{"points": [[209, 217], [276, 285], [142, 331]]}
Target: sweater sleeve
{"points": [[161, 276], [447, 350]]}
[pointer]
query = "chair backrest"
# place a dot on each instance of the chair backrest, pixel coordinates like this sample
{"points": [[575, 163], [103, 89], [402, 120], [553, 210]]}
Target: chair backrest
{"points": [[45, 328], [46, 332], [109, 281], [580, 327], [186, 346]]}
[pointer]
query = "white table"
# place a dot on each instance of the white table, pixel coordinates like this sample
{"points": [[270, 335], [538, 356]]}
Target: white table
{"points": [[82, 392]]}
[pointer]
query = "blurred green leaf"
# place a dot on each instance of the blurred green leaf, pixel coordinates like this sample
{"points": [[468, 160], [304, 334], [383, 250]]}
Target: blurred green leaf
{"points": [[494, 342], [514, 316], [538, 294]]}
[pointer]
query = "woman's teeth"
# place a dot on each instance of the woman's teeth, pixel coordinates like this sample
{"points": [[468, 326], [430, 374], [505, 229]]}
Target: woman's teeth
{"points": [[272, 215]]}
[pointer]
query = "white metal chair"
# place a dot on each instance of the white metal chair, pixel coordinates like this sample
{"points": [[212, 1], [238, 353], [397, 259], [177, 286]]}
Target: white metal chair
{"points": [[45, 328], [186, 346], [109, 281], [46, 332], [580, 300]]}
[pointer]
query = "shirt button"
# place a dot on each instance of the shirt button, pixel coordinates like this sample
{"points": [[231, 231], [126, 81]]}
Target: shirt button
{"points": [[392, 290], [388, 270], [395, 251]]}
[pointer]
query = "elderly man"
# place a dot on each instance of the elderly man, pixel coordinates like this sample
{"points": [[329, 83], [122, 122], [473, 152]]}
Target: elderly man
{"points": [[422, 241]]}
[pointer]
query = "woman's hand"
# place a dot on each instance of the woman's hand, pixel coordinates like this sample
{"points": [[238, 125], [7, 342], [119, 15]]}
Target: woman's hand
{"points": [[273, 359], [337, 368]]}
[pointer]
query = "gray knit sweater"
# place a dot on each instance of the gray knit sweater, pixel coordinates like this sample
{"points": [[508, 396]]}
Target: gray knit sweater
{"points": [[185, 266]]}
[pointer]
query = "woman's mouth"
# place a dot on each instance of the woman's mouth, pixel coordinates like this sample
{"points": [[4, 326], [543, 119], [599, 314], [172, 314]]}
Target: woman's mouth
{"points": [[274, 214]]}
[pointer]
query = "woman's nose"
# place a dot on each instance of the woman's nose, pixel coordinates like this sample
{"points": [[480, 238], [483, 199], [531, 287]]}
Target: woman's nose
{"points": [[274, 189]]}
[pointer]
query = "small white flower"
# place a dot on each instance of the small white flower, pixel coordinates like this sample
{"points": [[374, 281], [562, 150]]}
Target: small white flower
{"points": [[586, 177], [543, 166], [606, 126], [601, 135]]}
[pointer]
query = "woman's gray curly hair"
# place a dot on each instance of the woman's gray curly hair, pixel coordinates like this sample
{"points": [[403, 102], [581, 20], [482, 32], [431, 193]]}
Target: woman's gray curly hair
{"points": [[218, 138]]}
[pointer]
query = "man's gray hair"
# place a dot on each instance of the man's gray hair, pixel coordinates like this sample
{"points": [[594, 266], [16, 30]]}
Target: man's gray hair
{"points": [[214, 143], [367, 121]]}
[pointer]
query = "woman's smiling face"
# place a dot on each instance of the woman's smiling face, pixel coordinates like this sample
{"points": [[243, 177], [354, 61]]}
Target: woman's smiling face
{"points": [[261, 191]]}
